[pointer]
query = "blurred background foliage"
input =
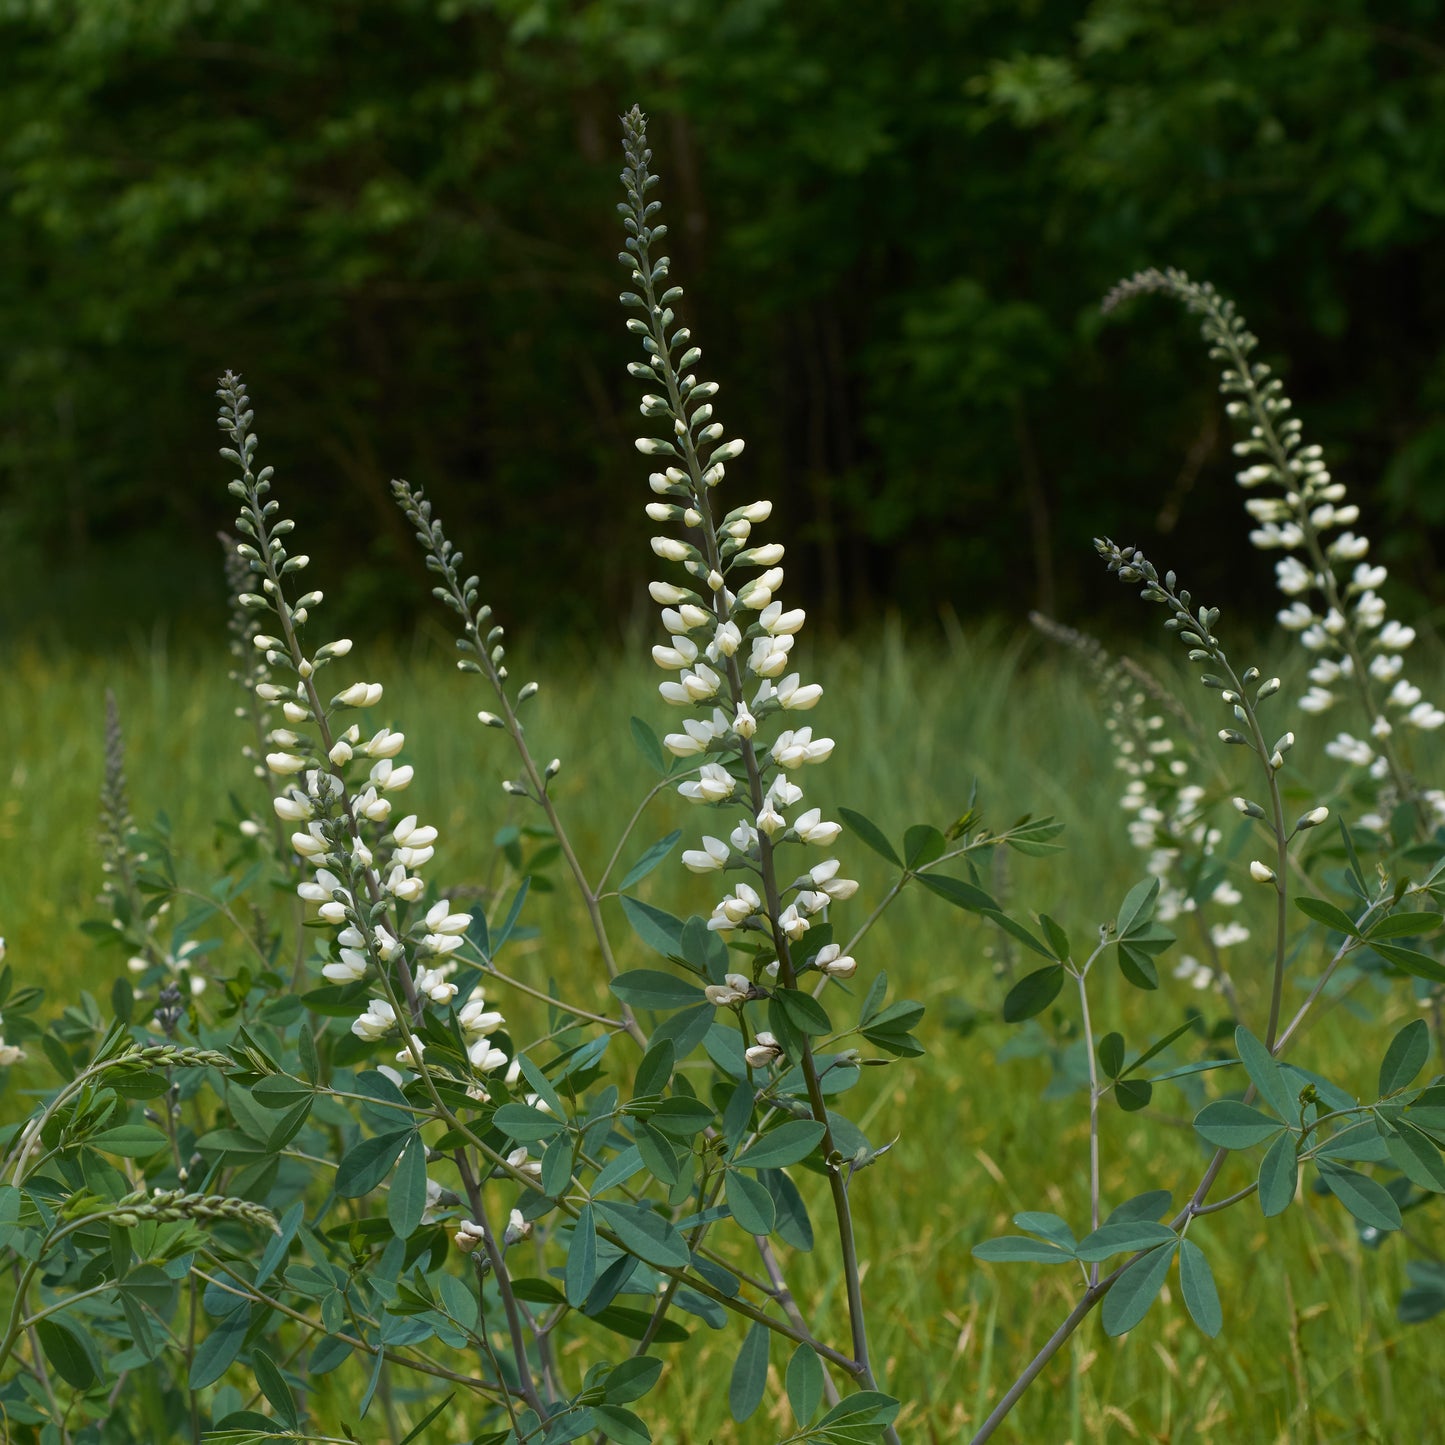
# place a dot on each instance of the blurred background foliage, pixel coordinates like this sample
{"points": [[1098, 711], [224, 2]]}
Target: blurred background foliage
{"points": [[894, 222]]}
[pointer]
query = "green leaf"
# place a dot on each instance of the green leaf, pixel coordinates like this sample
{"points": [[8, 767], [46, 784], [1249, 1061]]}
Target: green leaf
{"points": [[1405, 1057], [1132, 1095], [750, 1203], [804, 1012], [649, 860], [660, 931], [219, 1349], [804, 1381], [1157, 1048], [1417, 1157], [1147, 1206], [70, 1351], [419, 1430], [655, 1070], [525, 1124], [750, 1373], [1278, 1176], [1033, 993], [1266, 1076], [1019, 1249], [870, 833], [1015, 929], [1228, 1124], [644, 1233], [1329, 915], [274, 1387], [406, 1199], [1050, 1226], [130, 1141], [1370, 1203], [955, 891], [621, 1425], [922, 844], [1111, 1054], [365, 1165], [1137, 965], [1033, 839], [1128, 1236], [633, 1324], [557, 1166], [1136, 1290], [632, 1379], [581, 1268], [648, 988], [541, 1086], [1137, 907], [1415, 963], [866, 1408], [1056, 938], [649, 746], [1201, 1298], [1404, 925], [787, 1144]]}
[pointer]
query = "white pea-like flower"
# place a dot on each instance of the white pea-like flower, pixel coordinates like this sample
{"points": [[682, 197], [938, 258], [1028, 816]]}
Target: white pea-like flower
{"points": [[832, 961], [739, 905], [475, 1018], [484, 1058], [440, 919], [518, 1228], [1293, 577], [1261, 872], [377, 1021], [1395, 637], [291, 809], [764, 1050], [384, 744], [432, 983], [712, 785], [712, 856], [734, 989], [1317, 700], [351, 966], [285, 764], [1386, 666], [793, 697], [359, 694], [810, 828], [1350, 750], [469, 1234], [1425, 716]]}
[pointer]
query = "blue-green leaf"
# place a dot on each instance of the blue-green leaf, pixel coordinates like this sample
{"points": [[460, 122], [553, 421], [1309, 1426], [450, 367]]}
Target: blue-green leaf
{"points": [[750, 1373], [1136, 1290], [1201, 1298]]}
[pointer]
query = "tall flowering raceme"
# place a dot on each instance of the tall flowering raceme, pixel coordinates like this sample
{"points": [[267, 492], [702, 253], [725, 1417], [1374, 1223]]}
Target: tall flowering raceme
{"points": [[729, 647], [339, 783], [1168, 811], [1333, 590]]}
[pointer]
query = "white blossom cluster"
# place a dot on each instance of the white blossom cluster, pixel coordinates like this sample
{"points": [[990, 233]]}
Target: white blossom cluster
{"points": [[1166, 812], [1334, 602], [728, 653], [336, 794]]}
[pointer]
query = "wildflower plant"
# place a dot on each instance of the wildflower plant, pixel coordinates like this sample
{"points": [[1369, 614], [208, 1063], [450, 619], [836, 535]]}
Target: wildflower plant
{"points": [[346, 1155]]}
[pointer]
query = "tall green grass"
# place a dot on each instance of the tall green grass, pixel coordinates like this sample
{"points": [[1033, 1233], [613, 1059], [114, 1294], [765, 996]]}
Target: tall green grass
{"points": [[1311, 1349]]}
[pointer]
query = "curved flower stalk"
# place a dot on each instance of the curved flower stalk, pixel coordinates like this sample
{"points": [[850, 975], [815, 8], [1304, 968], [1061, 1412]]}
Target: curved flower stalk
{"points": [[484, 655], [339, 791], [1167, 810], [1334, 601], [1242, 694], [728, 656]]}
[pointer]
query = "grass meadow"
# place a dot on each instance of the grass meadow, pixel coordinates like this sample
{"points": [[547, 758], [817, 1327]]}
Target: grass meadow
{"points": [[1311, 1350]]}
